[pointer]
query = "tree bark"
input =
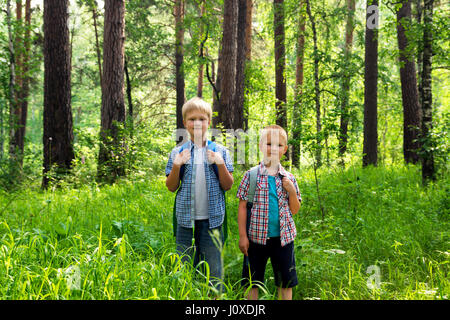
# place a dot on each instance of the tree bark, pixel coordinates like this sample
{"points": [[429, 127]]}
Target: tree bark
{"points": [[428, 169], [316, 88], [179, 60], [343, 129], [112, 144], [240, 66], [280, 63], [370, 146], [58, 132], [410, 97], [201, 66], [297, 118], [226, 73]]}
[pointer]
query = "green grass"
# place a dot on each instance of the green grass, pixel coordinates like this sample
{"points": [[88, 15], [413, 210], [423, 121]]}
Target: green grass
{"points": [[116, 242]]}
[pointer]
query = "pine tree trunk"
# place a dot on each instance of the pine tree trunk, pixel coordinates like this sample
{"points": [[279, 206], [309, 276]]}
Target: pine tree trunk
{"points": [[240, 66], [318, 151], [248, 50], [370, 147], [428, 170], [297, 117], [226, 74], [343, 130], [410, 97], [58, 132], [280, 63], [179, 60], [12, 79], [112, 145], [16, 113], [201, 66]]}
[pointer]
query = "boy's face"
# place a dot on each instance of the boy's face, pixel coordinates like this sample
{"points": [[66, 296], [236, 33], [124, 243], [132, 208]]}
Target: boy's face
{"points": [[196, 123], [273, 145]]}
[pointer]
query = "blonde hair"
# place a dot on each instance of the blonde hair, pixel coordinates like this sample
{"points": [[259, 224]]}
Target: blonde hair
{"points": [[197, 103], [274, 127]]}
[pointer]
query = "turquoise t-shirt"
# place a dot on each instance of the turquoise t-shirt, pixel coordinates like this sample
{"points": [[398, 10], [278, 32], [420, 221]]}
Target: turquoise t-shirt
{"points": [[274, 216]]}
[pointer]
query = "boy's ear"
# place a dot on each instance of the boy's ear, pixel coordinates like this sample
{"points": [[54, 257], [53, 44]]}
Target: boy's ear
{"points": [[285, 149]]}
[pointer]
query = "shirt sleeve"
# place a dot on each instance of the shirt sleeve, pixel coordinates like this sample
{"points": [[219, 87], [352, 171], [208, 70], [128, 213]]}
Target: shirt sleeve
{"points": [[242, 192], [169, 165], [227, 159]]}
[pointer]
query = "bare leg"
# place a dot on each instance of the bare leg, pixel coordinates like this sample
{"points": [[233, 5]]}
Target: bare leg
{"points": [[285, 293], [253, 294]]}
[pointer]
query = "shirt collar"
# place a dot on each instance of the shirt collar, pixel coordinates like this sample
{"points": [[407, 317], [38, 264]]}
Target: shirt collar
{"points": [[263, 171]]}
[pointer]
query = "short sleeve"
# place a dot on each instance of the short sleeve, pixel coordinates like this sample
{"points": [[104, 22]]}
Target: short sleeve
{"points": [[242, 192], [227, 159], [170, 162]]}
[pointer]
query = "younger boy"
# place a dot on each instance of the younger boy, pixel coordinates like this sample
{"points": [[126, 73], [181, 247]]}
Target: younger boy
{"points": [[203, 168], [272, 229]]}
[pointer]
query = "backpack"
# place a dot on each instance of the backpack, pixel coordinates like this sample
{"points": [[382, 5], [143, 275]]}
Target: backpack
{"points": [[251, 193], [212, 146]]}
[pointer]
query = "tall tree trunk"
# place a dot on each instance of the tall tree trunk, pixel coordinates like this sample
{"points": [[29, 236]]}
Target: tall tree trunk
{"points": [[112, 142], [428, 170], [226, 73], [343, 130], [316, 88], [25, 80], [129, 98], [16, 113], [203, 37], [280, 63], [58, 132], [248, 51], [97, 45], [410, 97], [179, 60], [12, 78], [240, 66], [297, 114], [370, 146], [419, 51]]}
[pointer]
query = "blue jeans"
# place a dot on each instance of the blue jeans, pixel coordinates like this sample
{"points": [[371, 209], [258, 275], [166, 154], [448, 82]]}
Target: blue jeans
{"points": [[204, 249]]}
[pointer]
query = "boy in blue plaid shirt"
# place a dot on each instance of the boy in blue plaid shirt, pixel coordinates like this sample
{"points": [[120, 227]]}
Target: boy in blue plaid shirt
{"points": [[201, 171]]}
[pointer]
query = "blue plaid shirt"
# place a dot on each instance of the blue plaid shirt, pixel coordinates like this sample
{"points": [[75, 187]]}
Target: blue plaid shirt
{"points": [[186, 194]]}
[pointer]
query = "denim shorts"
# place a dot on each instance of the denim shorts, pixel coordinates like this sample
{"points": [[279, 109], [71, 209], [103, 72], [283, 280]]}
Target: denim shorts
{"points": [[282, 259], [205, 248]]}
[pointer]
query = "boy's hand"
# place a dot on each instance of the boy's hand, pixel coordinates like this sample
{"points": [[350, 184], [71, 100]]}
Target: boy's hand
{"points": [[214, 157], [244, 244], [288, 185], [182, 157]]}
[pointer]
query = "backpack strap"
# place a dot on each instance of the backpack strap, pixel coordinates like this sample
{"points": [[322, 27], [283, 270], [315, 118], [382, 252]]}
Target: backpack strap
{"points": [[252, 186]]}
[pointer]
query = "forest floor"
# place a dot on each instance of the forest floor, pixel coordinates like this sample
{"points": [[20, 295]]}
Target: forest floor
{"points": [[380, 235]]}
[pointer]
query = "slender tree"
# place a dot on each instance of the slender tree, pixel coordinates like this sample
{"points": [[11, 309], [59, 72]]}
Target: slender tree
{"points": [[297, 114], [370, 144], [410, 97], [58, 132], [179, 61], [112, 145], [240, 65], [428, 169], [316, 86], [343, 129], [201, 65], [280, 63]]}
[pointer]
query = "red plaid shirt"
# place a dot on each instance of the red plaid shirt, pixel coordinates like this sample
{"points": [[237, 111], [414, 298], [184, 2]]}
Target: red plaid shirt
{"points": [[260, 210]]}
